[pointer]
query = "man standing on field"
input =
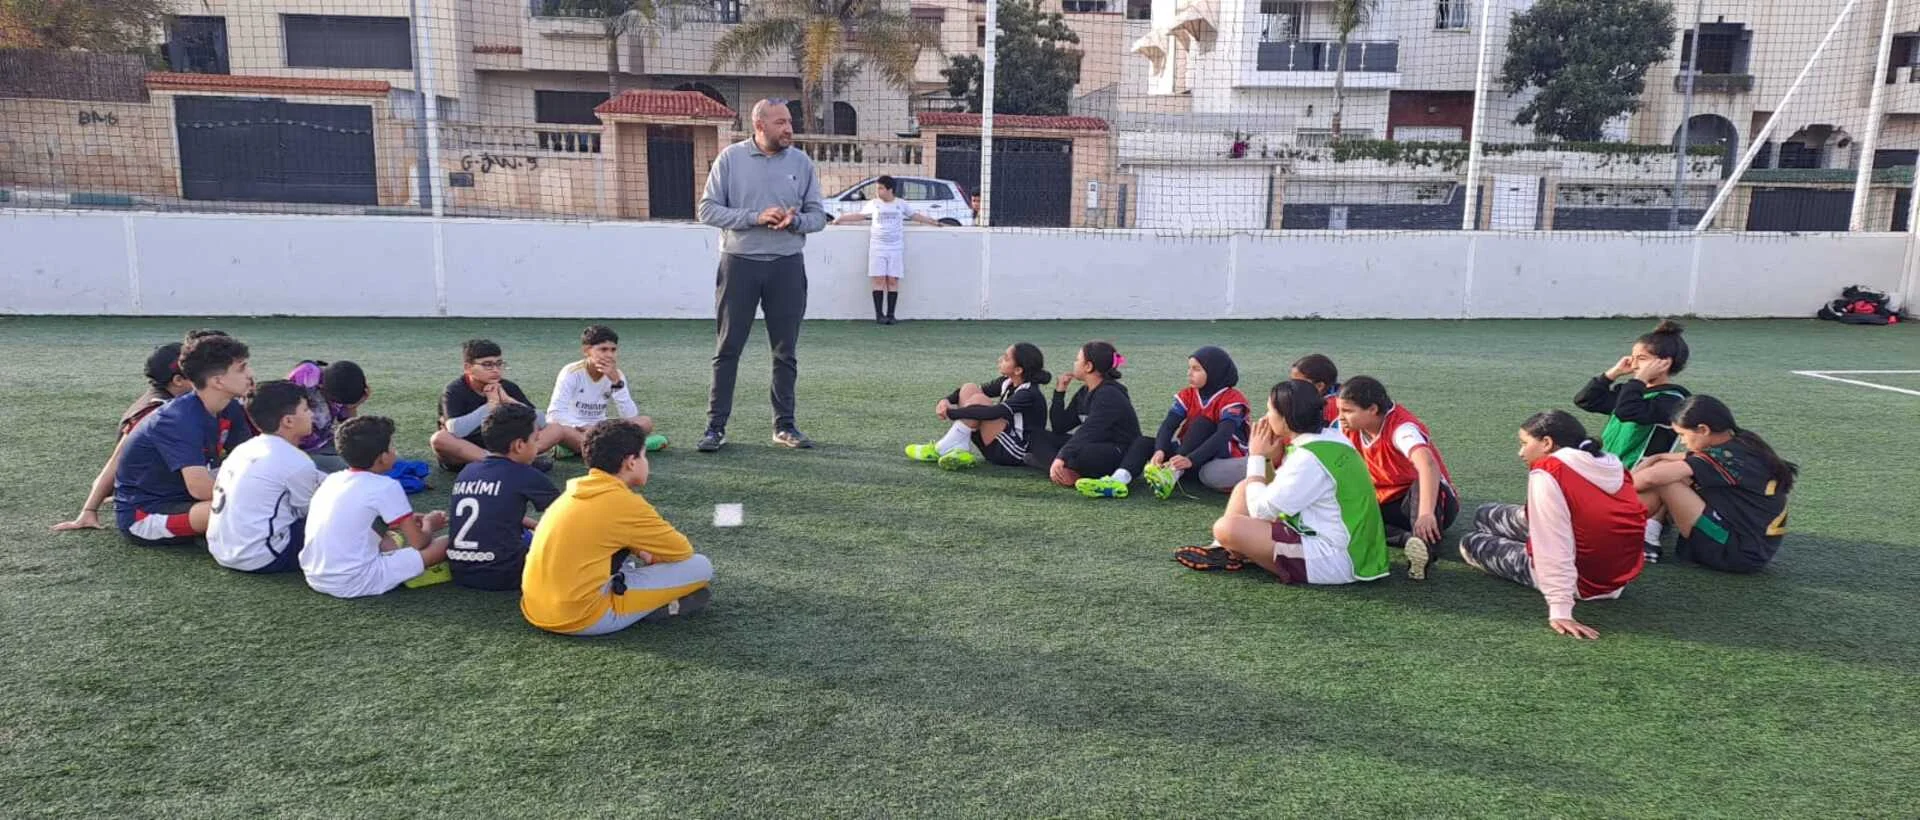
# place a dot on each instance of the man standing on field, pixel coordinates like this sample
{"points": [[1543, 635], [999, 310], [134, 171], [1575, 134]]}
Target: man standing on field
{"points": [[762, 195]]}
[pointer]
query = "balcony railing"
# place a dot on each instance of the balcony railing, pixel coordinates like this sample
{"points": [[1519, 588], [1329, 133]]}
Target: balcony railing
{"points": [[861, 150], [1714, 83], [521, 139], [711, 11], [1324, 55]]}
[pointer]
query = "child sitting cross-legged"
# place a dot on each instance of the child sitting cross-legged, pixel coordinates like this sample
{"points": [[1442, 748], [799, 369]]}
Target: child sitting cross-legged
{"points": [[344, 557], [602, 558], [490, 499]]}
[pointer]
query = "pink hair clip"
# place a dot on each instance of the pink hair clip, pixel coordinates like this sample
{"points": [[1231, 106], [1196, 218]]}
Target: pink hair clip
{"points": [[1118, 359]]}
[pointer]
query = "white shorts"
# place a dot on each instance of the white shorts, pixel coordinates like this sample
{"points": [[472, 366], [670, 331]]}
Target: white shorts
{"points": [[890, 264]]}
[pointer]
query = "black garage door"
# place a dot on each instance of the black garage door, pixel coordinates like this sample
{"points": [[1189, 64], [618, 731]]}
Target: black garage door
{"points": [[272, 151], [1032, 178]]}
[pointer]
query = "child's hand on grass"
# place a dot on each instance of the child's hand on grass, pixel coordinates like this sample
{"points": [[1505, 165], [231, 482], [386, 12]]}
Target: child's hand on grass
{"points": [[1573, 628], [87, 520]]}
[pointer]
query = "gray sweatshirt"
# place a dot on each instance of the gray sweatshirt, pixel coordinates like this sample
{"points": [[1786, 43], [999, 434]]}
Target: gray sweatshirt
{"points": [[745, 182]]}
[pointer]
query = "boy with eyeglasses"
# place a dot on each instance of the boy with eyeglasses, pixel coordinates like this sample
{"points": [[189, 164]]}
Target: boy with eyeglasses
{"points": [[470, 399]]}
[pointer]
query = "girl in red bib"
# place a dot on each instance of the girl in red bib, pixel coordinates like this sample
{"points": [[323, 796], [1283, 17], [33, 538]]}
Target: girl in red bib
{"points": [[1204, 435], [1578, 537]]}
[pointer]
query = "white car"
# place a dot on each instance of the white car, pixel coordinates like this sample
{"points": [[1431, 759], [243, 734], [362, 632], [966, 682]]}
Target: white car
{"points": [[941, 200]]}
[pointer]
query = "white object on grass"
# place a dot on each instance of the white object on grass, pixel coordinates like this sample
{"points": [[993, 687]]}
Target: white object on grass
{"points": [[728, 515]]}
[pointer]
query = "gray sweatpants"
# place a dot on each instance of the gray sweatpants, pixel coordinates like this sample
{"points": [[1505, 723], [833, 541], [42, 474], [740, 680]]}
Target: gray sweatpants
{"points": [[778, 287]]}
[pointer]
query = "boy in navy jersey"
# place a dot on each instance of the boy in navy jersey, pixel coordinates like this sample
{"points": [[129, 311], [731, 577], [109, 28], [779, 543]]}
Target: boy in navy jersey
{"points": [[490, 498], [163, 484]]}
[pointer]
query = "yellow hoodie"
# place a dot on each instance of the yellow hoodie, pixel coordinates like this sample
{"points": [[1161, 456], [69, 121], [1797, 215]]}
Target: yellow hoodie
{"points": [[563, 588]]}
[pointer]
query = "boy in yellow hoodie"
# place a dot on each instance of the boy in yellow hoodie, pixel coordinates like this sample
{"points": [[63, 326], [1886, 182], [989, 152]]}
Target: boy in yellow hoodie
{"points": [[602, 559]]}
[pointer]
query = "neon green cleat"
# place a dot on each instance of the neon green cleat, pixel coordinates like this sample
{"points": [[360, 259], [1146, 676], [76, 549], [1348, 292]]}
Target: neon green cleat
{"points": [[437, 574], [923, 452], [1101, 487], [1161, 479], [958, 460], [656, 442]]}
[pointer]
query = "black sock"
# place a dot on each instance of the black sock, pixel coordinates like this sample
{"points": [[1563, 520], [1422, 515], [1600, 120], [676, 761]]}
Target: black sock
{"points": [[877, 296], [893, 298]]}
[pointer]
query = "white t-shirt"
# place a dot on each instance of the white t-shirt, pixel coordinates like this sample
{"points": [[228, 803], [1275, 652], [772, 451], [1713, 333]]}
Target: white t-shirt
{"points": [[263, 487], [888, 233], [582, 401], [1303, 492], [342, 557], [1406, 439]]}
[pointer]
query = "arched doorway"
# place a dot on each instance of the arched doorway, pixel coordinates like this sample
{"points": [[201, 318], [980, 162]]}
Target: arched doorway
{"points": [[846, 121], [1713, 129]]}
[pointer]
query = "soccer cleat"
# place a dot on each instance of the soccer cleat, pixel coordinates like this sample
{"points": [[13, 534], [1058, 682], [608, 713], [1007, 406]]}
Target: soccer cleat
{"points": [[923, 452], [437, 574], [656, 442], [1161, 479], [1419, 558], [1209, 559], [543, 464], [1652, 551], [1106, 487], [712, 440], [958, 460], [792, 437], [688, 604]]}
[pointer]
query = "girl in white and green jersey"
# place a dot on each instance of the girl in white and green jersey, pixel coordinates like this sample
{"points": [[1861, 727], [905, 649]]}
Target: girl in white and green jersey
{"points": [[1317, 521]]}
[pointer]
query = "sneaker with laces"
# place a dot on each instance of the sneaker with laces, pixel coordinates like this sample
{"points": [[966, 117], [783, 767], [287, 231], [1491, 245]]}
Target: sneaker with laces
{"points": [[1106, 487], [1161, 479], [958, 460], [923, 452], [1652, 551], [792, 437], [437, 574], [656, 442], [712, 440]]}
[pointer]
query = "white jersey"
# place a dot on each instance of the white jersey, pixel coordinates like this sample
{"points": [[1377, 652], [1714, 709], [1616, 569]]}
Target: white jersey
{"points": [[579, 400], [264, 486], [888, 233], [342, 557], [1304, 493]]}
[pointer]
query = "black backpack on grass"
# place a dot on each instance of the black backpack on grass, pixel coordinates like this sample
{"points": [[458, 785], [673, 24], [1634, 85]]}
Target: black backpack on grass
{"points": [[1860, 306]]}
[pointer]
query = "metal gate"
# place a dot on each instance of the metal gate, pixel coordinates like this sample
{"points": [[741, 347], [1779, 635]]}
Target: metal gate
{"points": [[669, 173], [272, 151], [1033, 178], [1799, 209]]}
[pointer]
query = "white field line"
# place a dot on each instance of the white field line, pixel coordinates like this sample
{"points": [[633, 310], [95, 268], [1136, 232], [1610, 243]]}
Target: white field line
{"points": [[1834, 376]]}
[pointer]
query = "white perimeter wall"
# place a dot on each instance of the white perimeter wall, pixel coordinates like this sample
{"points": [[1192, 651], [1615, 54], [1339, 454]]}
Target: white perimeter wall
{"points": [[188, 264]]}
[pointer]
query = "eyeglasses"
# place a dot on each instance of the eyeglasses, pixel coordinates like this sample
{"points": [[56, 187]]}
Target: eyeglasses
{"points": [[497, 364]]}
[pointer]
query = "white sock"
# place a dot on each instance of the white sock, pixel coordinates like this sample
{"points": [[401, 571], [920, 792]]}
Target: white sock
{"points": [[1121, 475], [1216, 542], [1653, 531], [959, 437], [1177, 474]]}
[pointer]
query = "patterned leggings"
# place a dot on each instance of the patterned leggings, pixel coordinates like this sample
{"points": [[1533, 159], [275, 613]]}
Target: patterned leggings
{"points": [[1498, 542]]}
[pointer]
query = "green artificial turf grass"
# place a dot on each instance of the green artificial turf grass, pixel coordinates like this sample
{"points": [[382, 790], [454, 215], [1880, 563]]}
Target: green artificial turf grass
{"points": [[891, 639]]}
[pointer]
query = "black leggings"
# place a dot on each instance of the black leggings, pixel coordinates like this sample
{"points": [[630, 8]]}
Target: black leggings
{"points": [[1400, 513], [1198, 431], [1090, 459]]}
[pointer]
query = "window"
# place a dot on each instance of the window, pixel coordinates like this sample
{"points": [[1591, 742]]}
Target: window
{"points": [[919, 190], [315, 41], [1724, 48], [1282, 22], [568, 108], [197, 45], [1451, 15], [980, 36], [1139, 9], [1084, 6]]}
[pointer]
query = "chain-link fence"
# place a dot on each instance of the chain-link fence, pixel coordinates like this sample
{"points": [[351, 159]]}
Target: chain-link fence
{"points": [[1175, 116]]}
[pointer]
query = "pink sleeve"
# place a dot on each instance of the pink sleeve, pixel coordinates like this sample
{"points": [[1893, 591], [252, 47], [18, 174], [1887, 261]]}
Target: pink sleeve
{"points": [[1550, 536]]}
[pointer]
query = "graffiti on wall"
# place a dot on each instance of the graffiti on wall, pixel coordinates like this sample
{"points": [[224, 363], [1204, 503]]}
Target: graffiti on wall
{"points": [[488, 163]]}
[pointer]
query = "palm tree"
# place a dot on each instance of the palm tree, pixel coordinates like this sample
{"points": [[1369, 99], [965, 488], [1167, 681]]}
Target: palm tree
{"points": [[820, 33], [619, 18], [1348, 16]]}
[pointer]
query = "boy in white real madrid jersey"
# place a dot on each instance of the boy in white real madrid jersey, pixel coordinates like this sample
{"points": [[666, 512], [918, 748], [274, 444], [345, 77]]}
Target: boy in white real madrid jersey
{"points": [[594, 390], [886, 243]]}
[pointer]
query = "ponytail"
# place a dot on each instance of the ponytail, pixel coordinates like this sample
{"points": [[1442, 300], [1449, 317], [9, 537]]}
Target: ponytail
{"points": [[1713, 414], [1104, 358]]}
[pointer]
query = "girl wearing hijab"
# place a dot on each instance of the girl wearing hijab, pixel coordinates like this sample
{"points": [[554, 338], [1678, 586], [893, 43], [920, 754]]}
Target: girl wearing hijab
{"points": [[1204, 434]]}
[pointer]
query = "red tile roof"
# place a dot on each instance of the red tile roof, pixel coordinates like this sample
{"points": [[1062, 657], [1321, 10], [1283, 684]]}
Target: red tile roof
{"points": [[948, 119], [692, 104], [162, 81]]}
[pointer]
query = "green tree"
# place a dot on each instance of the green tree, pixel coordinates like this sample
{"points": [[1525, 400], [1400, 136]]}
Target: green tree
{"points": [[1034, 71], [1586, 61], [104, 26], [619, 18], [1348, 17], [832, 40]]}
